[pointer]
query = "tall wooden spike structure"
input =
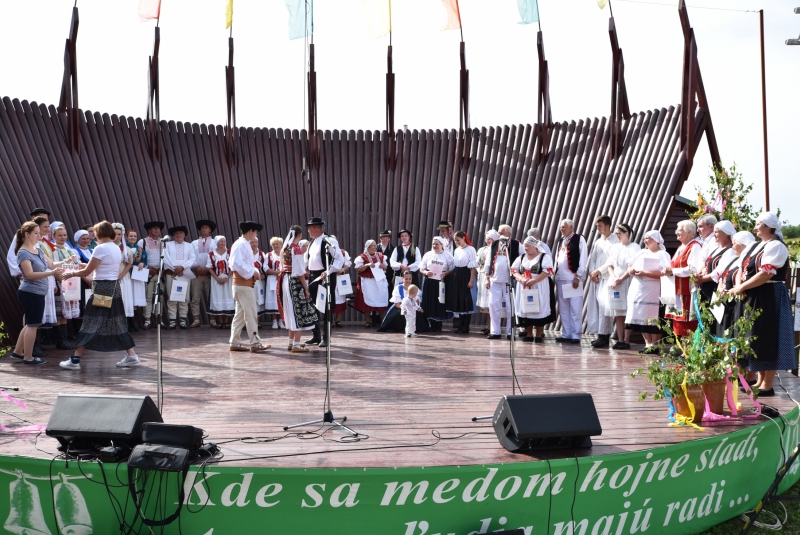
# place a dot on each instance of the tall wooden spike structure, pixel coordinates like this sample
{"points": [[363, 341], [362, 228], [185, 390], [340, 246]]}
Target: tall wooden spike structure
{"points": [[695, 114], [544, 112], [68, 102], [464, 130], [390, 159], [620, 110], [153, 120], [230, 96], [313, 161]]}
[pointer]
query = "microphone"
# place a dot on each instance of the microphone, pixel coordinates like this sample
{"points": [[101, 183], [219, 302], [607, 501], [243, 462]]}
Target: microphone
{"points": [[503, 238], [166, 239]]}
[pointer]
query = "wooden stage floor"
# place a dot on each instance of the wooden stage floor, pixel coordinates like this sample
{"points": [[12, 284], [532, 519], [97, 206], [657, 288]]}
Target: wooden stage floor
{"points": [[398, 391]]}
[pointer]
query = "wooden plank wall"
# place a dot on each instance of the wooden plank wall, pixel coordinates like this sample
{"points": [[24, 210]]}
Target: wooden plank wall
{"points": [[114, 178]]}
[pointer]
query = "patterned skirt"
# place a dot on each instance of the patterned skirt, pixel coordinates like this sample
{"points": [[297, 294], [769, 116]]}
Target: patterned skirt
{"points": [[775, 342], [105, 329]]}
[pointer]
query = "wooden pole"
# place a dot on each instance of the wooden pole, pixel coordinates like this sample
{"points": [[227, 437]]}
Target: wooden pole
{"points": [[764, 110]]}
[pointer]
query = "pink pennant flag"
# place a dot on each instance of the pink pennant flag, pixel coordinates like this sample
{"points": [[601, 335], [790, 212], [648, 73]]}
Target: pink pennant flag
{"points": [[149, 10], [453, 15]]}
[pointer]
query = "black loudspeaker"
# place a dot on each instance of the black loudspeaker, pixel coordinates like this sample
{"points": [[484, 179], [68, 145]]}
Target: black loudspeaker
{"points": [[92, 421], [178, 436], [546, 421]]}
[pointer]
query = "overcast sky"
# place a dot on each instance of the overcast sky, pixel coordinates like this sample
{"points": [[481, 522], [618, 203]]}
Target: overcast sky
{"points": [[113, 47]]}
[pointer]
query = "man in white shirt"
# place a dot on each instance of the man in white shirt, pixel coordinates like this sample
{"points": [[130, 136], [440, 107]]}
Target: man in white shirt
{"points": [[245, 275], [502, 255], [318, 246], [406, 256], [179, 259], [705, 230], [446, 232], [201, 285], [600, 320], [571, 260], [152, 246]]}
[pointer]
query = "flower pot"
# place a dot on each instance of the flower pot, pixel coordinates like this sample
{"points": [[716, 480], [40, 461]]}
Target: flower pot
{"points": [[697, 398], [715, 394]]}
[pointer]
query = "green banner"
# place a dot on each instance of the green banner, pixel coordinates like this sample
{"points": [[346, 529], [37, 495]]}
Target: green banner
{"points": [[684, 488]]}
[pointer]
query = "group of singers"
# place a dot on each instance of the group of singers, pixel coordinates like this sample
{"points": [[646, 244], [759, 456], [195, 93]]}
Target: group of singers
{"points": [[401, 288]]}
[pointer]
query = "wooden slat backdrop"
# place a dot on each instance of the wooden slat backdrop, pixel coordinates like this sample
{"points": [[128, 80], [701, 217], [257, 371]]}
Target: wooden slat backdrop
{"points": [[114, 178]]}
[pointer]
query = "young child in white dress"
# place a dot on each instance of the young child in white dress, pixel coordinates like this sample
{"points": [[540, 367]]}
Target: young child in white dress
{"points": [[409, 309]]}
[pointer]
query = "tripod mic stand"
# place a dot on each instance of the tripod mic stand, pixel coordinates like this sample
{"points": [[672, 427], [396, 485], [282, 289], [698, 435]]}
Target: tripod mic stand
{"points": [[503, 247], [327, 416]]}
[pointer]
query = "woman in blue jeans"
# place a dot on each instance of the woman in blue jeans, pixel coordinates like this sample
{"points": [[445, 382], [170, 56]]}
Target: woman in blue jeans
{"points": [[35, 267]]}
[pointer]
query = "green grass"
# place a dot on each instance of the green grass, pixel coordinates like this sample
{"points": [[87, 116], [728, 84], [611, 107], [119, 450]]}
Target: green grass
{"points": [[794, 246], [792, 526]]}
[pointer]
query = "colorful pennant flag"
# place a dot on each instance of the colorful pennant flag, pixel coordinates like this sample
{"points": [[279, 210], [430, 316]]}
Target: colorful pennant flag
{"points": [[229, 15], [300, 22], [378, 14], [453, 15], [602, 3], [149, 10], [529, 11]]}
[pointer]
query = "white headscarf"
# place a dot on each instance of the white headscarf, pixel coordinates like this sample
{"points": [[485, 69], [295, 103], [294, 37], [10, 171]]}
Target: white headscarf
{"points": [[54, 225], [78, 235], [440, 240], [743, 238], [769, 219], [493, 235], [368, 244], [656, 237], [530, 240], [726, 227], [288, 241]]}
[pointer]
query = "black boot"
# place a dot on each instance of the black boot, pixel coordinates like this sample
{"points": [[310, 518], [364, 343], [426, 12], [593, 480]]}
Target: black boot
{"points": [[60, 333], [316, 338], [37, 346], [132, 325], [463, 327], [602, 341]]}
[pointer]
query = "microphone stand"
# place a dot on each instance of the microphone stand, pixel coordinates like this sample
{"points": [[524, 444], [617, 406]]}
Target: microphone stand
{"points": [[327, 416], [511, 295], [159, 348]]}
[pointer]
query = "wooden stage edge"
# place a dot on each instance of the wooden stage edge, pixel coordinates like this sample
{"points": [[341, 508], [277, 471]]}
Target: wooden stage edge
{"points": [[400, 394]]}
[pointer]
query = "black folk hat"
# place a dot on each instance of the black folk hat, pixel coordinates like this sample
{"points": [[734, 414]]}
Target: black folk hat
{"points": [[406, 231], [247, 226], [444, 224], [179, 228], [200, 222], [151, 224], [385, 233], [315, 221], [37, 211]]}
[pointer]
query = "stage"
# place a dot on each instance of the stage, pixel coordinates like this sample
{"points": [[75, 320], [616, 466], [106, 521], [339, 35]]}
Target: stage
{"points": [[421, 465]]}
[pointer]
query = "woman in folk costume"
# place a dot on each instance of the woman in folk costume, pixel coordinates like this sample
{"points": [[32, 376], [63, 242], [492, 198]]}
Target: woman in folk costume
{"points": [[65, 310], [687, 261], [221, 305], [139, 258], [460, 288], [722, 253], [395, 322], [371, 295], [260, 287], [762, 283], [294, 299], [532, 271], [47, 246], [483, 257], [437, 264], [272, 268], [645, 290], [620, 259], [124, 273], [341, 300], [83, 249], [725, 276]]}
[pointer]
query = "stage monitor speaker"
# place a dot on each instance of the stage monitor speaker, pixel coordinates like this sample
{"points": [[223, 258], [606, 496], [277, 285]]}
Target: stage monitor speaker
{"points": [[546, 421], [91, 420]]}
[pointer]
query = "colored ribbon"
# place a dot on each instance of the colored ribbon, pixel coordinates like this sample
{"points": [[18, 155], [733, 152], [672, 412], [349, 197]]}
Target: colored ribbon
{"points": [[13, 399], [684, 420], [24, 429]]}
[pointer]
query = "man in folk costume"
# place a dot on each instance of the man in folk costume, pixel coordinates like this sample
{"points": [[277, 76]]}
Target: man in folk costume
{"points": [[152, 245], [201, 285], [318, 246], [571, 260], [502, 255], [406, 256], [687, 261], [446, 232], [705, 231], [179, 258], [242, 264], [600, 320], [386, 248]]}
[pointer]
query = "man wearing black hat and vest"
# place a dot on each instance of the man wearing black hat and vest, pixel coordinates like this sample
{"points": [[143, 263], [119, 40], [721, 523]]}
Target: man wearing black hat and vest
{"points": [[571, 260], [502, 255], [152, 245], [13, 268], [317, 246], [201, 285], [178, 259], [386, 248], [406, 256], [245, 275]]}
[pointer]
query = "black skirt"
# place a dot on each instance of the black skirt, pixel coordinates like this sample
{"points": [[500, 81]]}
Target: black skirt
{"points": [[457, 295], [430, 301], [105, 329]]}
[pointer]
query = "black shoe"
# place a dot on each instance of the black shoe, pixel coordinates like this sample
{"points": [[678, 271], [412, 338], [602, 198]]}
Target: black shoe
{"points": [[171, 325], [37, 360], [766, 393], [652, 350], [493, 337], [621, 345], [574, 340], [562, 340], [508, 337], [527, 339], [538, 340], [60, 334], [601, 341], [183, 324], [485, 331], [323, 343], [16, 357], [38, 352]]}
